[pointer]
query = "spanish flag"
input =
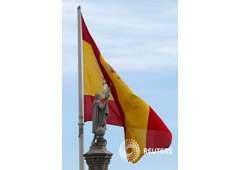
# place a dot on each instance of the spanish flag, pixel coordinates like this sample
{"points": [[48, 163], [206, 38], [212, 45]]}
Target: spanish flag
{"points": [[141, 124]]}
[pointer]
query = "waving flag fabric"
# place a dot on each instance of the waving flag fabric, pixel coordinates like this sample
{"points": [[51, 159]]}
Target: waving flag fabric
{"points": [[140, 122]]}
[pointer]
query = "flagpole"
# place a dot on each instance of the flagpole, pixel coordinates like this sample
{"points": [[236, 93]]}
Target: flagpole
{"points": [[80, 92]]}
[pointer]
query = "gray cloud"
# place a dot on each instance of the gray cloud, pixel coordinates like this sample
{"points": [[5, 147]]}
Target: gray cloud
{"points": [[131, 37]]}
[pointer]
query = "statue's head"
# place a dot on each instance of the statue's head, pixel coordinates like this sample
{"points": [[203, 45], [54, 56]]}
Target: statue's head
{"points": [[98, 96]]}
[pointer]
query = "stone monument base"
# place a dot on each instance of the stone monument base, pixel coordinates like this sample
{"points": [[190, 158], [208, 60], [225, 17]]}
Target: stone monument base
{"points": [[98, 157]]}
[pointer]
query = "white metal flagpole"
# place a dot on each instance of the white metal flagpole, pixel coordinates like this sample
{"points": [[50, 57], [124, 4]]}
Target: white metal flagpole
{"points": [[80, 92]]}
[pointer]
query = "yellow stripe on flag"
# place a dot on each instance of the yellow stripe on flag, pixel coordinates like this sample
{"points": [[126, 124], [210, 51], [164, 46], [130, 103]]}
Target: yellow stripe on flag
{"points": [[93, 77]]}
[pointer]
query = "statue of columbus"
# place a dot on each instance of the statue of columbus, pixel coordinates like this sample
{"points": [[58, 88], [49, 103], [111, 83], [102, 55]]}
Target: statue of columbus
{"points": [[100, 115]]}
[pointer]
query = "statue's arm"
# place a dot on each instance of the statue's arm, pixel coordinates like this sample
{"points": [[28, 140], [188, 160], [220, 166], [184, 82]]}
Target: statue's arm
{"points": [[102, 106], [106, 102]]}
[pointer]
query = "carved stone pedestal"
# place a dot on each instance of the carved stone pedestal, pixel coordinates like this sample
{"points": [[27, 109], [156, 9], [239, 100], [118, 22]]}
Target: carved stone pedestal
{"points": [[98, 157]]}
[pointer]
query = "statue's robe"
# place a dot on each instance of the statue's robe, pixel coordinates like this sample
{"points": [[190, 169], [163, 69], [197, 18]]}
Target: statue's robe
{"points": [[100, 114]]}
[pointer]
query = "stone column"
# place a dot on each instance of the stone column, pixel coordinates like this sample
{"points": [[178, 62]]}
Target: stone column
{"points": [[98, 157]]}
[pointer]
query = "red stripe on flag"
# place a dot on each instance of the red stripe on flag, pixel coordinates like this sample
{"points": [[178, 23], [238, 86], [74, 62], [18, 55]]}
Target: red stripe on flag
{"points": [[85, 32], [158, 135], [114, 116]]}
